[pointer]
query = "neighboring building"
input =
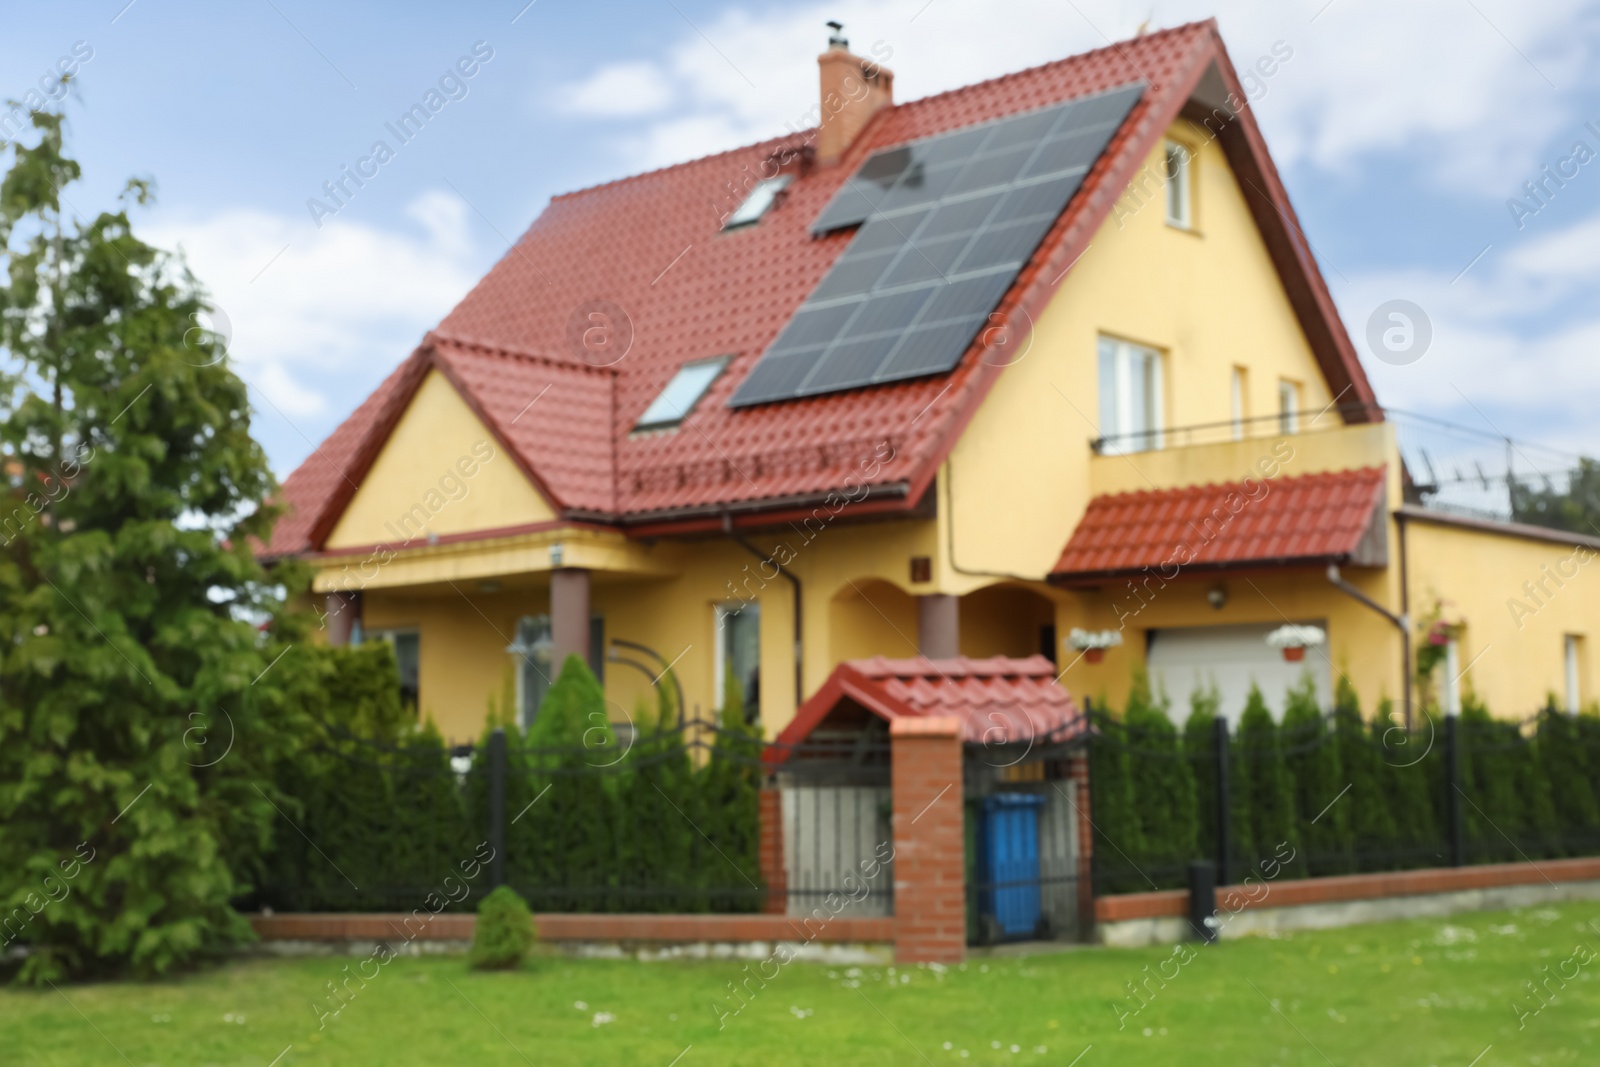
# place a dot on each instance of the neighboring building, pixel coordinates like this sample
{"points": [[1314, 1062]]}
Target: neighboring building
{"points": [[869, 391]]}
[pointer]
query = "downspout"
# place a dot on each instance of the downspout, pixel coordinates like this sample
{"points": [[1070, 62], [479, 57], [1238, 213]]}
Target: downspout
{"points": [[799, 672], [1401, 622]]}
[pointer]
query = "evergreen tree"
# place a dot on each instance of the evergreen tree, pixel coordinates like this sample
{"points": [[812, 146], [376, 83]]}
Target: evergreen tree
{"points": [[1565, 759], [572, 828], [1311, 759], [1370, 816], [1162, 784], [729, 789], [1118, 840], [1198, 738], [657, 795], [1495, 809], [129, 592], [429, 832], [1411, 771], [1264, 786]]}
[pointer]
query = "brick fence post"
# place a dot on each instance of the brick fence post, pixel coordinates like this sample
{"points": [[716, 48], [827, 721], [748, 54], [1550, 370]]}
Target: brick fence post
{"points": [[1078, 782], [930, 893], [770, 852]]}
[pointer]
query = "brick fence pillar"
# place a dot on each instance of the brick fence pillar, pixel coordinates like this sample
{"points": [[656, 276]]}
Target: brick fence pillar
{"points": [[770, 852], [930, 893], [1078, 784]]}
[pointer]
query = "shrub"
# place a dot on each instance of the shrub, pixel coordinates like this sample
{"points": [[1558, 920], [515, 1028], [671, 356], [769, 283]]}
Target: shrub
{"points": [[1263, 785], [504, 931], [1311, 760], [1369, 816], [1117, 837], [1162, 782]]}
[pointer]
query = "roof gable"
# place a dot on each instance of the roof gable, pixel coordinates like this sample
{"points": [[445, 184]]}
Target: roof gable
{"points": [[648, 253]]}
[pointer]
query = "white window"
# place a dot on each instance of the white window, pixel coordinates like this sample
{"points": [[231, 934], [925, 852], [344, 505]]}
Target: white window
{"points": [[407, 645], [531, 663], [1574, 697], [1180, 206], [1451, 689], [1130, 397], [759, 201], [1237, 402], [682, 393], [738, 654], [1288, 407]]}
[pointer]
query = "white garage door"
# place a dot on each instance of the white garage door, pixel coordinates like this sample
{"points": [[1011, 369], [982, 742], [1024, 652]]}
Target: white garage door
{"points": [[1233, 657]]}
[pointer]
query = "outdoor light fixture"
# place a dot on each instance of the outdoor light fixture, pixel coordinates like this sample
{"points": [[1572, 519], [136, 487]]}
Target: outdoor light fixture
{"points": [[557, 553], [1217, 597]]}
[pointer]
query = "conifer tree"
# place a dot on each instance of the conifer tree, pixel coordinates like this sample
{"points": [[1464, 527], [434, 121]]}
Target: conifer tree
{"points": [[130, 596], [1370, 816], [1118, 840], [1264, 786], [1162, 784], [1317, 779]]}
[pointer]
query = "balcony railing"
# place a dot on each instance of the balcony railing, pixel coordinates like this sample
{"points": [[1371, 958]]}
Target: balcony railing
{"points": [[1446, 466]]}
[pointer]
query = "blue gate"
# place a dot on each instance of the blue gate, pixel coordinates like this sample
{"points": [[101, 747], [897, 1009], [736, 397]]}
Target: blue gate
{"points": [[1010, 861]]}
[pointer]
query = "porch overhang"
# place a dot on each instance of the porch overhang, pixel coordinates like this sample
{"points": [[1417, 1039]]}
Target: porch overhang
{"points": [[1306, 521]]}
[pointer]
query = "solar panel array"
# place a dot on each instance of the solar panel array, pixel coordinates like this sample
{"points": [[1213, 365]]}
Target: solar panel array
{"points": [[946, 224]]}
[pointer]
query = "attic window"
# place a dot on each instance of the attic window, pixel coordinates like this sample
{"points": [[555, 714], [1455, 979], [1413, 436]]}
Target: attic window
{"points": [[682, 393], [759, 201]]}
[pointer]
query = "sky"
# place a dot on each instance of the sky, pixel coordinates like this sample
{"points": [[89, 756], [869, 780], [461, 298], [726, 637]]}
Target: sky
{"points": [[1406, 134]]}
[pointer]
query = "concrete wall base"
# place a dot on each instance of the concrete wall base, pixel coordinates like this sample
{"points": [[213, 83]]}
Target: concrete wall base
{"points": [[815, 952], [1267, 920]]}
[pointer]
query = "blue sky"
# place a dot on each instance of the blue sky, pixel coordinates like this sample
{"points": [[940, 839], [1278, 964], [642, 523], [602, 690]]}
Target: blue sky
{"points": [[1402, 131]]}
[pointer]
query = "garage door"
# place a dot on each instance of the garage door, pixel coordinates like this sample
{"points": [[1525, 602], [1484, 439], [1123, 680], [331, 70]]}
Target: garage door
{"points": [[1233, 657]]}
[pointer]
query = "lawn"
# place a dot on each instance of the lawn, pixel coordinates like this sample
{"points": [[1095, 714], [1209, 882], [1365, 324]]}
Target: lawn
{"points": [[1437, 992]]}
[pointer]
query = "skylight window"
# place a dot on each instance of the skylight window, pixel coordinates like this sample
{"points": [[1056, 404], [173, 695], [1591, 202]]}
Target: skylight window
{"points": [[759, 201], [682, 393]]}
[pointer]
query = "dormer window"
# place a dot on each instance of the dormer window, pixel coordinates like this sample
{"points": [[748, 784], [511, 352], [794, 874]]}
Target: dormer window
{"points": [[1180, 198], [759, 201], [682, 393]]}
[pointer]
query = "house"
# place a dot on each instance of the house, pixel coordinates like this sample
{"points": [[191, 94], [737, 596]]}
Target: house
{"points": [[959, 376]]}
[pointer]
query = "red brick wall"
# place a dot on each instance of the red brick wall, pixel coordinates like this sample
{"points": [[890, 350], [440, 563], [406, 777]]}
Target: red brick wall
{"points": [[654, 928], [1078, 784], [929, 847], [770, 852]]}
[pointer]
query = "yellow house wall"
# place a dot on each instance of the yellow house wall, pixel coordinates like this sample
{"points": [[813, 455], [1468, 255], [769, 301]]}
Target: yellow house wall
{"points": [[1513, 638], [442, 468], [1208, 299]]}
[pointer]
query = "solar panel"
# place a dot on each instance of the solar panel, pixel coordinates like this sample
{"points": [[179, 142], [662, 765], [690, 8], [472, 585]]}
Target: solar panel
{"points": [[946, 223]]}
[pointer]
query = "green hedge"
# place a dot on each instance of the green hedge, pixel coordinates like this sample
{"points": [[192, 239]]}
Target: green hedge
{"points": [[382, 820], [1346, 793]]}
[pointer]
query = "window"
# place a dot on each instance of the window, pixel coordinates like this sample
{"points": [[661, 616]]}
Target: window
{"points": [[1289, 407], [407, 645], [531, 652], [1130, 397], [1179, 201], [1573, 645], [738, 654], [759, 202], [1239, 408], [1451, 690], [682, 393]]}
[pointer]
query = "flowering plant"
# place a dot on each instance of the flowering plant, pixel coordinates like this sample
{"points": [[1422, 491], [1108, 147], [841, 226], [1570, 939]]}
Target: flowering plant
{"points": [[1292, 636], [1084, 640]]}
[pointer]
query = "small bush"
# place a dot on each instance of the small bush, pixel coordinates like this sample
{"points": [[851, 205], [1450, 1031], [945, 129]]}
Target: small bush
{"points": [[504, 932]]}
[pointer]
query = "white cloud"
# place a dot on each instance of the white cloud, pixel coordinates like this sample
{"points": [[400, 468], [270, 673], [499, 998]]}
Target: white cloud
{"points": [[1431, 78], [622, 89], [305, 304]]}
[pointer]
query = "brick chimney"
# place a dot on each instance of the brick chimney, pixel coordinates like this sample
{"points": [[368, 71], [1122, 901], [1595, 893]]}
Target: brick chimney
{"points": [[853, 90]]}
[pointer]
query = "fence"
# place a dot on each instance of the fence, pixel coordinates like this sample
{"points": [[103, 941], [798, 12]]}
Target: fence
{"points": [[1338, 795], [663, 821]]}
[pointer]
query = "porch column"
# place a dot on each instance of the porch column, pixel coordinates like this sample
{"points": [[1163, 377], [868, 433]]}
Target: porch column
{"points": [[569, 616], [343, 616], [930, 891], [939, 626]]}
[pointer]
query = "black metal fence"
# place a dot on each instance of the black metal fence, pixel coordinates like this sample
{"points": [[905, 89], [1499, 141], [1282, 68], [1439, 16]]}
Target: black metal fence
{"points": [[667, 821], [1340, 795]]}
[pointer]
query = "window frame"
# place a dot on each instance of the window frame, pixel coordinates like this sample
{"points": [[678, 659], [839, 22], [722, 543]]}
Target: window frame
{"points": [[1572, 669], [1178, 183], [722, 610], [1239, 400], [1288, 415], [1153, 437], [522, 660], [762, 198], [645, 423], [390, 634]]}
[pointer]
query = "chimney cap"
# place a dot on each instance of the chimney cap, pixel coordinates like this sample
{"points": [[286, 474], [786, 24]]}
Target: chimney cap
{"points": [[836, 39]]}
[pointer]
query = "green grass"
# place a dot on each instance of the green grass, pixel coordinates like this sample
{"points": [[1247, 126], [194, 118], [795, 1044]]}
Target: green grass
{"points": [[1436, 992]]}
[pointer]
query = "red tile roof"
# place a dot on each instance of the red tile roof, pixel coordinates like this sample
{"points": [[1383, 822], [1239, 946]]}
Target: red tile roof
{"points": [[651, 248], [998, 700], [1312, 518]]}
